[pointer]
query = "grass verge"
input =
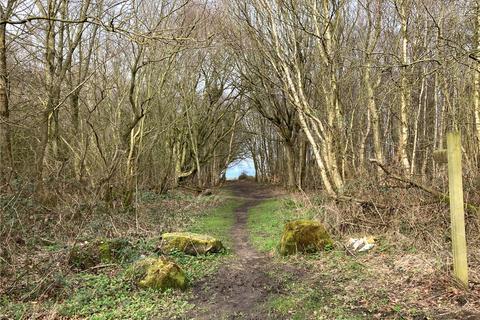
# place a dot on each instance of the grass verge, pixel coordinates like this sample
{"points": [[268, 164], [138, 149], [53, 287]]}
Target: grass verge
{"points": [[217, 222], [332, 292], [266, 221], [314, 296]]}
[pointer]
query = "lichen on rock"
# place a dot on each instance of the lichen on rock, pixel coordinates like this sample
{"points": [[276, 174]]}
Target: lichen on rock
{"points": [[156, 273], [190, 243], [88, 254], [304, 236]]}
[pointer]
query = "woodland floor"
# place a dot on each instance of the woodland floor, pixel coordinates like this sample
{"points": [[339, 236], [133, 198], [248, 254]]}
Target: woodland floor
{"points": [[250, 280], [240, 288], [258, 285]]}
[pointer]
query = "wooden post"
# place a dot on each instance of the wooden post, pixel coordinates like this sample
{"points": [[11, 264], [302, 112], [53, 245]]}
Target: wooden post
{"points": [[457, 215]]}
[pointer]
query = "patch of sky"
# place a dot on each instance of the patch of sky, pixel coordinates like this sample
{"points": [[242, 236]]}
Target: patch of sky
{"points": [[236, 168]]}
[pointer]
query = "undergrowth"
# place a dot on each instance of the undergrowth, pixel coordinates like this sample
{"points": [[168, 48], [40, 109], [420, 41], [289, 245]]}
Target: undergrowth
{"points": [[397, 279], [43, 286]]}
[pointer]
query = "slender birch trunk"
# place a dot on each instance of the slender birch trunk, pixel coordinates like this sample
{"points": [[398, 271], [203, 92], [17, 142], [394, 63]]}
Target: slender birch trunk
{"points": [[405, 89]]}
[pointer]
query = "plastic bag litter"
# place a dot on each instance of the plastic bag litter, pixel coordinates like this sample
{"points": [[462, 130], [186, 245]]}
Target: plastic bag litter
{"points": [[361, 244]]}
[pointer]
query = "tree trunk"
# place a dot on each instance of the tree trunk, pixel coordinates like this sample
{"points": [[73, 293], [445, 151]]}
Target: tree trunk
{"points": [[374, 118], [405, 92], [476, 82], [290, 155], [6, 158]]}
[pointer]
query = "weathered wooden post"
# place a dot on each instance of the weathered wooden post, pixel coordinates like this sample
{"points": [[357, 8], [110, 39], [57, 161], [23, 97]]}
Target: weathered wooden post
{"points": [[457, 214]]}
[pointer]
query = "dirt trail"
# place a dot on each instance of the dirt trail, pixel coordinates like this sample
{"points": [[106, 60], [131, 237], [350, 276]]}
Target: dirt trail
{"points": [[240, 287]]}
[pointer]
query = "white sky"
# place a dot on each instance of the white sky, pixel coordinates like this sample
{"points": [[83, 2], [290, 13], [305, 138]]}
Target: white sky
{"points": [[237, 168]]}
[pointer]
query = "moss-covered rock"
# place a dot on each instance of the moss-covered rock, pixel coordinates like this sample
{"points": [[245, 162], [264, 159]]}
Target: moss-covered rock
{"points": [[304, 236], [190, 243], [88, 254], [156, 273]]}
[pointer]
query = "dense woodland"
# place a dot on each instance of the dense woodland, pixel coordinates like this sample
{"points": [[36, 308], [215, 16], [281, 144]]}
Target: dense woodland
{"points": [[104, 100], [112, 96], [108, 97]]}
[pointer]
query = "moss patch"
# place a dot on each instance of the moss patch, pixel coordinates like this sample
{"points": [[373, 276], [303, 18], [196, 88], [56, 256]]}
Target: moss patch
{"points": [[190, 243], [157, 273], [304, 236]]}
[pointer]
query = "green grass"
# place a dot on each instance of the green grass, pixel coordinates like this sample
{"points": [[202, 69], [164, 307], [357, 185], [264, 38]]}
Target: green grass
{"points": [[109, 295], [313, 297], [318, 297], [338, 286], [266, 221], [217, 222], [105, 297], [306, 302]]}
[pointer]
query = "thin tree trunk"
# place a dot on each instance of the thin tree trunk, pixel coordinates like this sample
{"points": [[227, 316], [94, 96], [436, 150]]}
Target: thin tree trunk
{"points": [[290, 155], [6, 158], [326, 182], [476, 75], [405, 91]]}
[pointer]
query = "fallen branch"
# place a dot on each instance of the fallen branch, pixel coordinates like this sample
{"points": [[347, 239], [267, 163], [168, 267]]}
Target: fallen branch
{"points": [[101, 266], [470, 208], [362, 202]]}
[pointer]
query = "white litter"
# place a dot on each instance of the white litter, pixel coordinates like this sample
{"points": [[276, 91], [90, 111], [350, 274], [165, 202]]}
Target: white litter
{"points": [[361, 244]]}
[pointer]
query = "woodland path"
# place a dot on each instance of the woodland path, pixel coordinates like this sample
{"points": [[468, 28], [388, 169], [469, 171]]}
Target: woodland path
{"points": [[239, 288]]}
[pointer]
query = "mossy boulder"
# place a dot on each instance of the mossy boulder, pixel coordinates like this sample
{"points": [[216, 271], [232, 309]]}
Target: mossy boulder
{"points": [[88, 254], [190, 243], [156, 273], [304, 236]]}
